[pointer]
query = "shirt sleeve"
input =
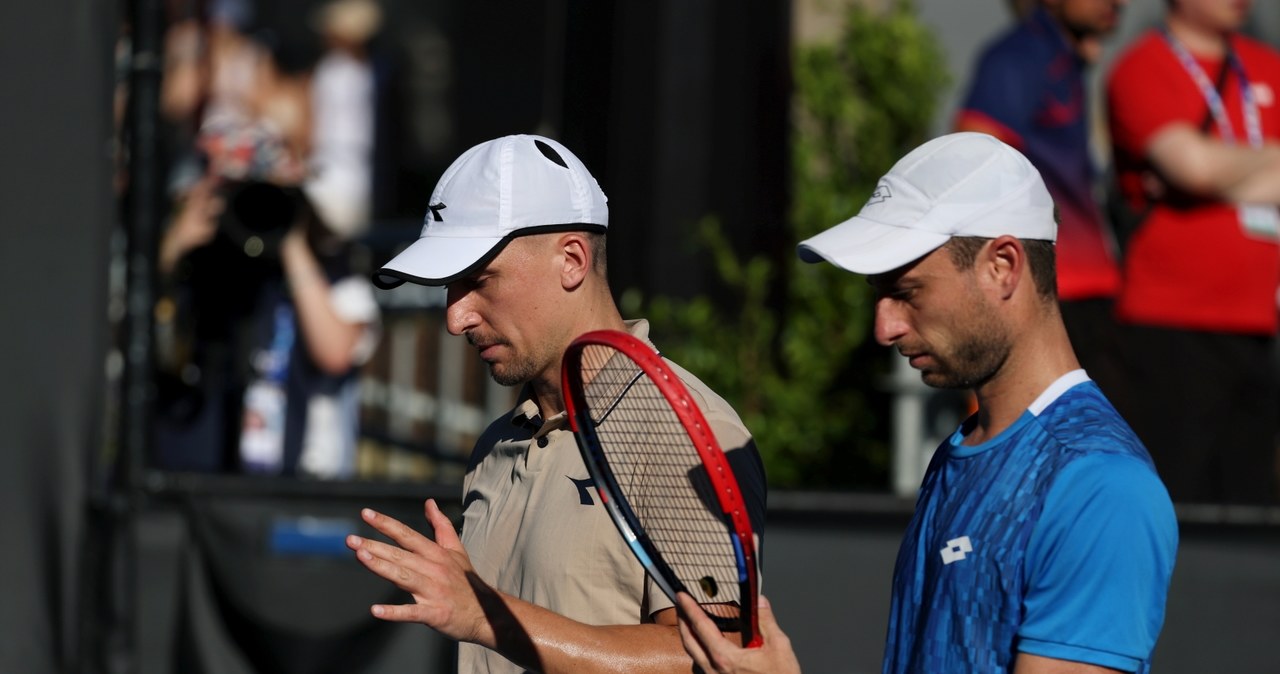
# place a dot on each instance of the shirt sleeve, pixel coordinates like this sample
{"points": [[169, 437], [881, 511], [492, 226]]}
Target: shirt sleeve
{"points": [[1003, 96], [1098, 564]]}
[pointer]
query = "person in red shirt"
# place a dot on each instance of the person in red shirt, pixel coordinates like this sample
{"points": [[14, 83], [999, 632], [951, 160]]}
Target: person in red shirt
{"points": [[1194, 126]]}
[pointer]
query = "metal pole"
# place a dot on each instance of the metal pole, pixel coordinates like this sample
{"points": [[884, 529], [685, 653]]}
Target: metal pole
{"points": [[143, 217], [909, 394]]}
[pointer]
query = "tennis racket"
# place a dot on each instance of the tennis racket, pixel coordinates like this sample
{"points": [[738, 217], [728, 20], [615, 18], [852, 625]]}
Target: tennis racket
{"points": [[662, 476]]}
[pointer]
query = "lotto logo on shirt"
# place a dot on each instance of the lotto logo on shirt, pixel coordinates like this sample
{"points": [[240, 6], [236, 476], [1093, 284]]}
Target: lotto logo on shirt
{"points": [[956, 549]]}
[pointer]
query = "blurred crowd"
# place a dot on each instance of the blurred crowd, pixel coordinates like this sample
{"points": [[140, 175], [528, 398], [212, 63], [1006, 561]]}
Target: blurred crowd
{"points": [[1168, 265], [264, 316]]}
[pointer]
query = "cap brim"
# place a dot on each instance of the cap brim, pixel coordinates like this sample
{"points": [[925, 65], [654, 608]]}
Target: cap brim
{"points": [[864, 246], [437, 261]]}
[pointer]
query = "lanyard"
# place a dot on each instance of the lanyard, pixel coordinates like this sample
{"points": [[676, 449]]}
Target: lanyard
{"points": [[1252, 119]]}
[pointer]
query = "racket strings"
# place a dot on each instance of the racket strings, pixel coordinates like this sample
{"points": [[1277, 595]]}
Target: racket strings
{"points": [[661, 476]]}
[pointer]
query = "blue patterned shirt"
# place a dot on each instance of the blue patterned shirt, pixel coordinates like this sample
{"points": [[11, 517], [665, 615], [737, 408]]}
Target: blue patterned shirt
{"points": [[1055, 538]]}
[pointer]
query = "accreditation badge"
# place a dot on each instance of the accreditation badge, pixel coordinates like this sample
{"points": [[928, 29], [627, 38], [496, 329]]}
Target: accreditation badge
{"points": [[1260, 221]]}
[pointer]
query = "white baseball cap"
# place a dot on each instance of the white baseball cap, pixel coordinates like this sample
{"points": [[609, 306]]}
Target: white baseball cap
{"points": [[960, 184], [494, 192]]}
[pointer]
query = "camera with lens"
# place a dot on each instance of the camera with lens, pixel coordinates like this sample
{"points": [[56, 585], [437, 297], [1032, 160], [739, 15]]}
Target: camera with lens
{"points": [[257, 215]]}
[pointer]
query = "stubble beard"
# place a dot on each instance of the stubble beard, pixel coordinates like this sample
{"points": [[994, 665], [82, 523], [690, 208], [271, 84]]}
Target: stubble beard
{"points": [[519, 368], [511, 374], [976, 357]]}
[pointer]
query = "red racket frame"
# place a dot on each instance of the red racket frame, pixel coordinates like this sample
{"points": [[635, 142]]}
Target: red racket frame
{"points": [[719, 472]]}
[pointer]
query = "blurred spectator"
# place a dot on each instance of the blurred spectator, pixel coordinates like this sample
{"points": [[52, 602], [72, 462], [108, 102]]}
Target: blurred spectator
{"points": [[1029, 91], [266, 325], [1194, 124], [264, 321], [342, 97]]}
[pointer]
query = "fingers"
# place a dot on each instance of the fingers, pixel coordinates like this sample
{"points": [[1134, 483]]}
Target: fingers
{"points": [[690, 611], [414, 574], [693, 647], [700, 625], [407, 537], [367, 549], [404, 564], [769, 629], [387, 561], [764, 609], [398, 613], [446, 536], [411, 561]]}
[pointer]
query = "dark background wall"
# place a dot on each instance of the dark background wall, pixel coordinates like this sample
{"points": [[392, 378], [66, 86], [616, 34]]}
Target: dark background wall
{"points": [[679, 108], [55, 215], [55, 203]]}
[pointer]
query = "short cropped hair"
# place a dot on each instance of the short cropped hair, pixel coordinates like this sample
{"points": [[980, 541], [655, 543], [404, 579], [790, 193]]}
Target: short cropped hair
{"points": [[599, 252], [1040, 255]]}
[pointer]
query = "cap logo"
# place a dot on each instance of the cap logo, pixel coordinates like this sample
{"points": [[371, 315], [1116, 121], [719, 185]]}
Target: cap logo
{"points": [[550, 153], [881, 194], [435, 211]]}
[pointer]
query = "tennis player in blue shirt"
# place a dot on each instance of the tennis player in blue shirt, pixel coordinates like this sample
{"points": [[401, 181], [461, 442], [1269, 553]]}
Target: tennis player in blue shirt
{"points": [[1043, 540]]}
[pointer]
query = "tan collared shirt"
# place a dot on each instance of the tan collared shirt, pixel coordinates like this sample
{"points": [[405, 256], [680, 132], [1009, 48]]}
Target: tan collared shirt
{"points": [[534, 528]]}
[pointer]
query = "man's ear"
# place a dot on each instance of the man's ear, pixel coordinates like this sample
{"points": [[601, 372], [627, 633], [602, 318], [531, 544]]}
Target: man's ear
{"points": [[575, 252], [1004, 262]]}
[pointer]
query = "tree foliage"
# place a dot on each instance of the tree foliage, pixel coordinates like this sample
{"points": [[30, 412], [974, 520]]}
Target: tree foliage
{"points": [[793, 352]]}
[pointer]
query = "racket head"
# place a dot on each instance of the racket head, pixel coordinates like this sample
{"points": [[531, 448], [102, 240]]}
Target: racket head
{"points": [[662, 476]]}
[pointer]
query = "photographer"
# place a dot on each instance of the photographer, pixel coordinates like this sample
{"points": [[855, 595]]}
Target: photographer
{"points": [[261, 331]]}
